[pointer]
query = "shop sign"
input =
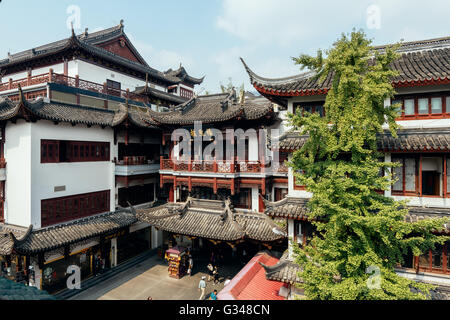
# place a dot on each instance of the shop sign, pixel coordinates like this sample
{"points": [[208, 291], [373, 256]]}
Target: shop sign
{"points": [[116, 234]]}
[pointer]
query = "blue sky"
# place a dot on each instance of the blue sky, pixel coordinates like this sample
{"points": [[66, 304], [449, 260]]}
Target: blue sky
{"points": [[209, 36]]}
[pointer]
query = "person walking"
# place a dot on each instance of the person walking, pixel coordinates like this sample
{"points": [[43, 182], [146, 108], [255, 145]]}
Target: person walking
{"points": [[216, 275], [190, 266], [213, 295], [202, 287], [210, 271]]}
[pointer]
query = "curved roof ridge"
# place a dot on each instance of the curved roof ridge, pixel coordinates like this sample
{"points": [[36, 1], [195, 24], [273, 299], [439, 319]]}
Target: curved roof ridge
{"points": [[283, 80]]}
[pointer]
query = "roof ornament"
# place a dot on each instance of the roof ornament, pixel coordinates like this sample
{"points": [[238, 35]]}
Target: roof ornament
{"points": [[132, 209], [121, 24], [233, 94], [21, 95], [19, 241], [73, 31], [86, 33], [242, 97]]}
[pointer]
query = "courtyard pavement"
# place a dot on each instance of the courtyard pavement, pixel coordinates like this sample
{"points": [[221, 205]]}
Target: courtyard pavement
{"points": [[150, 279]]}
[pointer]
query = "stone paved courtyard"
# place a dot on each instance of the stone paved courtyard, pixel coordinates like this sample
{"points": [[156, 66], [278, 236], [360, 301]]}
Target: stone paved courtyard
{"points": [[150, 278]]}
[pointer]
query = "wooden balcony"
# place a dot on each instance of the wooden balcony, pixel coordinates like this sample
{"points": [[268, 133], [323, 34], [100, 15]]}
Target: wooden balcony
{"points": [[134, 161], [75, 82], [136, 165], [212, 166]]}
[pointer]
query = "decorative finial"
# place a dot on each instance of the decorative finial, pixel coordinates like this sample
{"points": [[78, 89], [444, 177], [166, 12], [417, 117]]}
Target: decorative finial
{"points": [[242, 97], [73, 31], [21, 97], [86, 32], [121, 23]]}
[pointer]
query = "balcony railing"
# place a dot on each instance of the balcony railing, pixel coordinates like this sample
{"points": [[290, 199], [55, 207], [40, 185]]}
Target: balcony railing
{"points": [[135, 161], [74, 82], [212, 166]]}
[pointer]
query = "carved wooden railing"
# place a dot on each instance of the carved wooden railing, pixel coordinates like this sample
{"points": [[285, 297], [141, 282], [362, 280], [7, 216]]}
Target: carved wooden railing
{"points": [[75, 82], [134, 161], [212, 166]]}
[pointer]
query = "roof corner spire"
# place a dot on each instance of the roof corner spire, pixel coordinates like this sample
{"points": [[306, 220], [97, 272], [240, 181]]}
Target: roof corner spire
{"points": [[73, 31], [21, 96]]}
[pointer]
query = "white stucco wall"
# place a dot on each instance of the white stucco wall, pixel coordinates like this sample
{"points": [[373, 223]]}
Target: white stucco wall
{"points": [[29, 181], [18, 173], [94, 73], [255, 199]]}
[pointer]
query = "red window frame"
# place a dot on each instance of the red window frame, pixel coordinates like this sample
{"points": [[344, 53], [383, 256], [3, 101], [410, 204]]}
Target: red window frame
{"points": [[76, 151], [49, 151], [62, 209], [312, 105], [445, 112], [418, 191], [445, 251]]}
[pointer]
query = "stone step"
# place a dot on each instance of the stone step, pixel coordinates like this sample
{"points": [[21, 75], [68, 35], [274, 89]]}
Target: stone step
{"points": [[92, 281]]}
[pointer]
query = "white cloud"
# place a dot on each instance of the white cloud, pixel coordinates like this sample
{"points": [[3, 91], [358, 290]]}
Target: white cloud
{"points": [[162, 59], [284, 22], [281, 21]]}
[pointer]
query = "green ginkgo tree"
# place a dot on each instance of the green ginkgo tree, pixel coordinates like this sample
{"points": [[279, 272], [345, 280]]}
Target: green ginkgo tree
{"points": [[361, 235]]}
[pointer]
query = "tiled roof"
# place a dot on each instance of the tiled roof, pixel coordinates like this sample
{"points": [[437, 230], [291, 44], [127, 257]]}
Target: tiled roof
{"points": [[181, 75], [158, 94], [89, 45], [291, 141], [215, 108], [416, 140], [421, 62], [420, 213], [210, 219], [251, 283], [10, 290], [289, 207], [75, 114], [74, 231], [407, 140], [284, 271], [6, 242]]}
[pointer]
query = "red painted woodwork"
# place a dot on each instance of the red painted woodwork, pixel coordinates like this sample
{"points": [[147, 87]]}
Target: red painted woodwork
{"points": [[121, 48], [426, 261], [311, 92], [68, 208], [185, 93], [171, 194], [54, 151], [125, 180], [2, 201], [444, 113]]}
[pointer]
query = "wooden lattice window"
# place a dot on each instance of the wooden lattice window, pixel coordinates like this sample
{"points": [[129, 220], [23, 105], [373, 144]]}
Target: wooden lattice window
{"points": [[63, 209]]}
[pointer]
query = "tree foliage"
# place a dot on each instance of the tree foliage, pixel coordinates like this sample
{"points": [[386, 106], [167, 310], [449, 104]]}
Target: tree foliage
{"points": [[357, 227]]}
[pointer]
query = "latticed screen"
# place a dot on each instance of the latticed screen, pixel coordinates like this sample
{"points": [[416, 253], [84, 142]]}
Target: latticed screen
{"points": [[62, 209]]}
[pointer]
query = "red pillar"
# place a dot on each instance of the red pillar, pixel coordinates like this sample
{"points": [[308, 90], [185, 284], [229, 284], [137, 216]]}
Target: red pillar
{"points": [[171, 194]]}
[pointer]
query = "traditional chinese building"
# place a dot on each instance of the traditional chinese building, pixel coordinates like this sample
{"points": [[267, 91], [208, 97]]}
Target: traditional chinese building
{"points": [[77, 146], [422, 147], [215, 198]]}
